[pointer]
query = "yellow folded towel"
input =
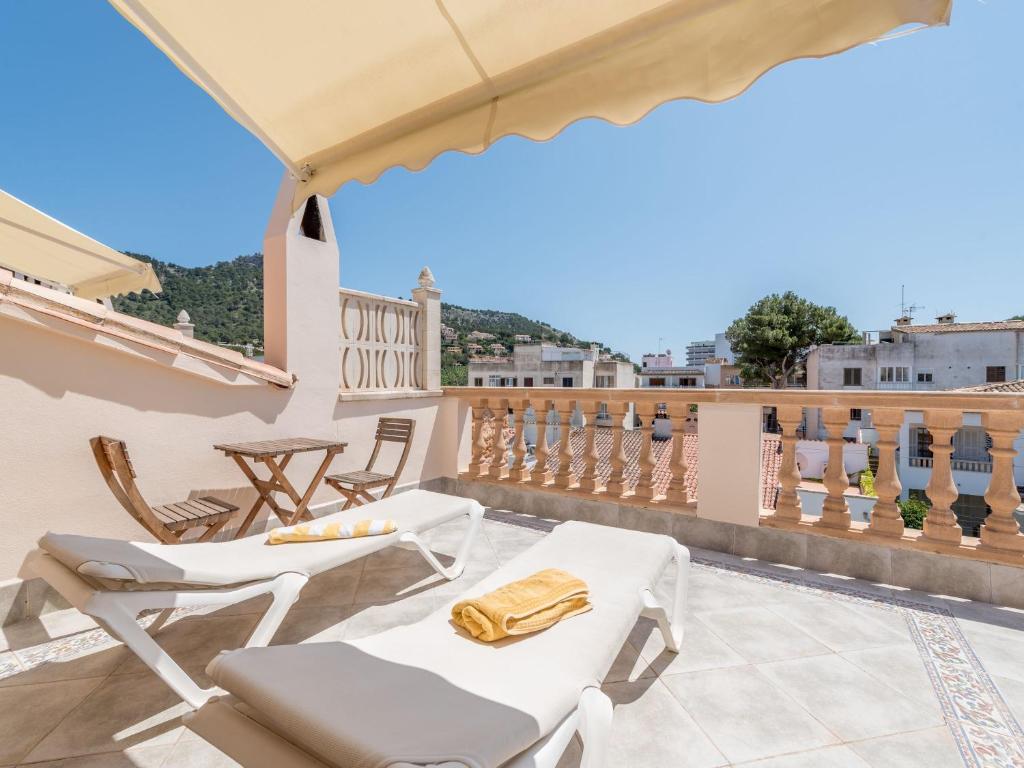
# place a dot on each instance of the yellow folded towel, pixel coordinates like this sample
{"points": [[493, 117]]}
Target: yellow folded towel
{"points": [[316, 531], [524, 606]]}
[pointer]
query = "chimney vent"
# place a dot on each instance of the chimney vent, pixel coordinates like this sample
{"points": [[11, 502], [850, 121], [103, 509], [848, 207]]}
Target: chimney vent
{"points": [[947, 319], [905, 320]]}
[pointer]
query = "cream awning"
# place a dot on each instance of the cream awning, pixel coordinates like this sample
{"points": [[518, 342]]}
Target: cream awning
{"points": [[36, 244], [345, 89]]}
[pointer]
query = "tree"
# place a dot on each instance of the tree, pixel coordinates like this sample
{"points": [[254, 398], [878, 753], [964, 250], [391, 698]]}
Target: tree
{"points": [[772, 340]]}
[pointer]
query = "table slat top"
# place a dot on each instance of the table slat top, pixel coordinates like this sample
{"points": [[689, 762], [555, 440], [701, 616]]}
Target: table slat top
{"points": [[261, 448]]}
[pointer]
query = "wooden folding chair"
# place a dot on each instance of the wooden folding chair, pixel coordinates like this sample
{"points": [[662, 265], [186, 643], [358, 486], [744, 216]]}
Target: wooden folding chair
{"points": [[356, 486], [167, 522]]}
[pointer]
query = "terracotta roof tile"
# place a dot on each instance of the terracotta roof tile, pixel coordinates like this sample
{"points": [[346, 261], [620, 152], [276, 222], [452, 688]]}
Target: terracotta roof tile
{"points": [[1003, 386], [998, 325]]}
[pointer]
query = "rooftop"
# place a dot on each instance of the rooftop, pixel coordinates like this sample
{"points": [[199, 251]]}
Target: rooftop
{"points": [[925, 681], [1001, 386], [998, 325]]}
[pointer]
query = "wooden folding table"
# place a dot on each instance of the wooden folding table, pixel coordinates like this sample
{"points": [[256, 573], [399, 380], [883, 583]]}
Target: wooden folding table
{"points": [[276, 455]]}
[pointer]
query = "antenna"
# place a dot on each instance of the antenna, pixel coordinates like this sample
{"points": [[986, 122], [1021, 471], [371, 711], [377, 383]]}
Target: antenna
{"points": [[905, 309]]}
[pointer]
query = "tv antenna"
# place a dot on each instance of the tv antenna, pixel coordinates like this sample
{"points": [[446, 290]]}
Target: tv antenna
{"points": [[907, 310]]}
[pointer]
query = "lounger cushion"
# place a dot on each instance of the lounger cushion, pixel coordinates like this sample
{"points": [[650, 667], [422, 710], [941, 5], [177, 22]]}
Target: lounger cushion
{"points": [[427, 692], [213, 564]]}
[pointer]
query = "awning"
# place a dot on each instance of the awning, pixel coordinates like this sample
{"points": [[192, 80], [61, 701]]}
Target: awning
{"points": [[35, 244], [345, 89]]}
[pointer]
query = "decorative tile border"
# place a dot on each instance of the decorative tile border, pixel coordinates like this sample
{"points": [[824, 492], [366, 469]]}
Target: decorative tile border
{"points": [[984, 728]]}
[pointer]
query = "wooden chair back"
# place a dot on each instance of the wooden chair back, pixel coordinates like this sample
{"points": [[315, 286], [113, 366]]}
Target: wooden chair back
{"points": [[392, 430], [116, 467]]}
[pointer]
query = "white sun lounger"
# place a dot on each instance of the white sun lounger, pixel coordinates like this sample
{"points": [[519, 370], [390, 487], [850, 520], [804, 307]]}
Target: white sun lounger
{"points": [[427, 694], [113, 581]]}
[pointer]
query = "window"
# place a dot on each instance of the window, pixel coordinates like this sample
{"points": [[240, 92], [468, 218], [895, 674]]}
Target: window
{"points": [[995, 374], [687, 381], [604, 381], [656, 381], [549, 381], [528, 381], [851, 377], [478, 381], [892, 374], [494, 381], [567, 381], [924, 377], [855, 414], [920, 443]]}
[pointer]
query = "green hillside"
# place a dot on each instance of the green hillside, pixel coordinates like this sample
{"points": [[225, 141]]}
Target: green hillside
{"points": [[225, 302]]}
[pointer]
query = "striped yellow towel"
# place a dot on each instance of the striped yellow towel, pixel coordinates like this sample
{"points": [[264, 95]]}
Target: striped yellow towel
{"points": [[323, 531], [524, 606]]}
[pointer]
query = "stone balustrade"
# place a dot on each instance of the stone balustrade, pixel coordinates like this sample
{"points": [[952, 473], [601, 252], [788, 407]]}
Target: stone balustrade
{"points": [[636, 464], [390, 346]]}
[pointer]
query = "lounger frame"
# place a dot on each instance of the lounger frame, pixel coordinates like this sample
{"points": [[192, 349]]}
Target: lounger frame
{"points": [[254, 746], [117, 611]]}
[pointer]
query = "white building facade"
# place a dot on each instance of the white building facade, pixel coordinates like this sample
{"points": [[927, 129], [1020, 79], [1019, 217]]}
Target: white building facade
{"points": [[941, 356], [545, 365]]}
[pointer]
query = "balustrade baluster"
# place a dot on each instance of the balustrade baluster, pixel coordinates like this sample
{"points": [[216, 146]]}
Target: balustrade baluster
{"points": [[886, 519], [617, 457], [540, 475], [940, 525], [1000, 530], [519, 469], [499, 453], [835, 512], [477, 465], [647, 461], [788, 507], [678, 493], [589, 479], [564, 477]]}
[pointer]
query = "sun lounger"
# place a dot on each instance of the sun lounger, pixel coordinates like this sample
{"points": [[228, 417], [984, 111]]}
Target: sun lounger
{"points": [[427, 694], [113, 581]]}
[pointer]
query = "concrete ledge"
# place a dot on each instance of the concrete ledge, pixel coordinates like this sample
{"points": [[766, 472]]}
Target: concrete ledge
{"points": [[388, 394], [877, 561]]}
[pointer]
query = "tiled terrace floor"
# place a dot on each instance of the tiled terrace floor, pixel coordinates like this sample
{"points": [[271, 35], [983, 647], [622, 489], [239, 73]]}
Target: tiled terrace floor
{"points": [[780, 668]]}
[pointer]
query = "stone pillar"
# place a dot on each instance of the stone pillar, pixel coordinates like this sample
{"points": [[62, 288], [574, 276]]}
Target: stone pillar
{"points": [[519, 470], [885, 516], [940, 525], [1001, 530], [835, 513], [499, 450], [678, 494], [477, 465], [788, 508], [540, 475], [647, 461], [590, 480], [729, 457], [429, 299], [302, 323], [617, 457], [564, 477], [185, 326]]}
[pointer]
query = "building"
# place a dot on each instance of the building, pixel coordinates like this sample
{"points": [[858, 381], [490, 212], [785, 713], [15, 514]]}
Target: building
{"points": [[474, 349], [523, 338], [498, 349], [688, 376], [699, 352], [939, 356], [448, 334], [546, 365], [481, 336], [656, 360], [945, 355]]}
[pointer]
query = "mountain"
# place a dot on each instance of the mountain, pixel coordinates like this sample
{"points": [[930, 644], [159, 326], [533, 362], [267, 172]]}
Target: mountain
{"points": [[225, 300]]}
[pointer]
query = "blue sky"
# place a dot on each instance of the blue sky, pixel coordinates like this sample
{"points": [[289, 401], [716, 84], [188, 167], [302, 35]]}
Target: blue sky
{"points": [[840, 179]]}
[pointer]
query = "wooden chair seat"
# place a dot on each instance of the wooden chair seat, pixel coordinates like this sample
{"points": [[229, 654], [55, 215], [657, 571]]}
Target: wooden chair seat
{"points": [[168, 522], [355, 486], [193, 513], [360, 479]]}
